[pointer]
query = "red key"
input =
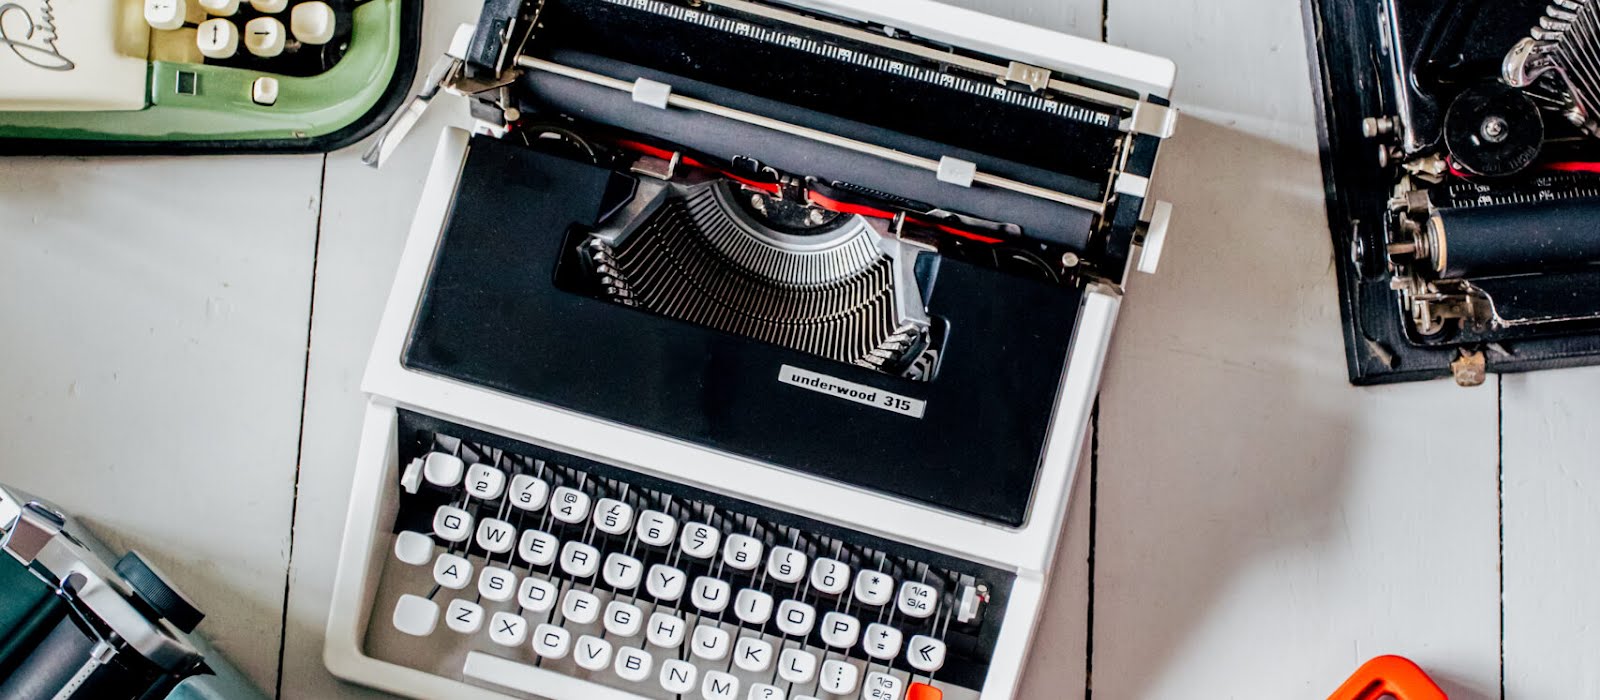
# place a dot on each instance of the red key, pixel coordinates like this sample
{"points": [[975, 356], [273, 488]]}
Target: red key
{"points": [[923, 691]]}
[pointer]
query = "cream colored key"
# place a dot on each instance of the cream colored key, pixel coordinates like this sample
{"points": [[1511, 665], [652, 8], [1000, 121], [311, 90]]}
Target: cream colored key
{"points": [[217, 38], [264, 37], [220, 8], [269, 6], [165, 15], [312, 22]]}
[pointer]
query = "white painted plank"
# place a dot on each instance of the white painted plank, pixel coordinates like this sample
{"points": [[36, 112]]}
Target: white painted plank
{"points": [[1552, 531], [1263, 526], [157, 313], [366, 215]]}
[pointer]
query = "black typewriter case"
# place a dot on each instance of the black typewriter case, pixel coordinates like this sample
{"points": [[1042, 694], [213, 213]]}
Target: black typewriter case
{"points": [[495, 314], [1437, 49]]}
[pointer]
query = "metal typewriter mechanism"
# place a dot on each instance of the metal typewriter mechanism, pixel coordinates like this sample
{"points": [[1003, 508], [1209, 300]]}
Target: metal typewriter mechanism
{"points": [[1462, 157], [744, 351]]}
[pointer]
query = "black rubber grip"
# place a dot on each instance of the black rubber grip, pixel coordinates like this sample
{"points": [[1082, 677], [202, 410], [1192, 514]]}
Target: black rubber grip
{"points": [[163, 597], [1515, 238]]}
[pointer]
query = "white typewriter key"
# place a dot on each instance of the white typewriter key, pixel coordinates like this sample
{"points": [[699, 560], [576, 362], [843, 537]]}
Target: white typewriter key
{"points": [[484, 481], [666, 630], [796, 618], [665, 583], [710, 595], [710, 643], [656, 528], [411, 479], [496, 536], [497, 584], [165, 15], [882, 642], [538, 548], [581, 607], [579, 560], [925, 653], [536, 595], [452, 524], [840, 630], [762, 691], [264, 92], [881, 686], [264, 37], [612, 516], [786, 565], [753, 607], [508, 630], [874, 587], [551, 642], [312, 22], [592, 653], [633, 664], [463, 616], [699, 540], [622, 619], [443, 470], [622, 572], [268, 7], [838, 677], [570, 505], [217, 38], [719, 686], [416, 615], [829, 576], [452, 572], [220, 8], [753, 655], [413, 548], [917, 599], [742, 552], [797, 666], [529, 492], [677, 677]]}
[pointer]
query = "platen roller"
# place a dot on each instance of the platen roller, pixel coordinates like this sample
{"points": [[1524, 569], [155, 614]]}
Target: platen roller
{"points": [[1511, 238]]}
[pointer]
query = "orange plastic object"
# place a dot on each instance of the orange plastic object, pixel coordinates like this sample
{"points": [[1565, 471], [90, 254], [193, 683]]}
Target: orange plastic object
{"points": [[923, 691], [1393, 676]]}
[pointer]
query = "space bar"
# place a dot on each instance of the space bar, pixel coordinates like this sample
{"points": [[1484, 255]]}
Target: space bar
{"points": [[531, 679]]}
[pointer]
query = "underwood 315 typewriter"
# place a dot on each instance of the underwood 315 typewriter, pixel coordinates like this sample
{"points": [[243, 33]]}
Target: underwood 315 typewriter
{"points": [[1463, 171], [746, 352]]}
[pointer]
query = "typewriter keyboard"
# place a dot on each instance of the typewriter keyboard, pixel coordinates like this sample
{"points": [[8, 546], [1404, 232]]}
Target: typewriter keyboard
{"points": [[286, 37], [513, 565]]}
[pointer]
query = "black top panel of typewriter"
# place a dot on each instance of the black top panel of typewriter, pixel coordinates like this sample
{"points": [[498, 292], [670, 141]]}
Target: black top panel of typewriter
{"points": [[1462, 159], [512, 304]]}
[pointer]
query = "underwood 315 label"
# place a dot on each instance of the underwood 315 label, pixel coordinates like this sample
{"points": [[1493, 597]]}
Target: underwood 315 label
{"points": [[851, 391]]}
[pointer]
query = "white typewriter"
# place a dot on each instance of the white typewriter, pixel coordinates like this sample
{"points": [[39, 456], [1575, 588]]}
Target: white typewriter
{"points": [[744, 352]]}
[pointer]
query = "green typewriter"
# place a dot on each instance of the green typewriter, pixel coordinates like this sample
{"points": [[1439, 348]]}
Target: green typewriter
{"points": [[191, 76]]}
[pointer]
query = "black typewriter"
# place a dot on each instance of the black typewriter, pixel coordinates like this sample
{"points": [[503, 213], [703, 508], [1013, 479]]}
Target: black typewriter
{"points": [[744, 351], [1461, 150]]}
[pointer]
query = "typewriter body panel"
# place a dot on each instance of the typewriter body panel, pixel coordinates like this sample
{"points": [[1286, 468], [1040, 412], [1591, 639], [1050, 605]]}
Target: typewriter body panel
{"points": [[202, 76], [713, 281], [1459, 149]]}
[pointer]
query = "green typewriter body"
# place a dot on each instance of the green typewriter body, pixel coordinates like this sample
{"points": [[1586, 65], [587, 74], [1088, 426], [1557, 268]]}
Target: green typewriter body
{"points": [[195, 76]]}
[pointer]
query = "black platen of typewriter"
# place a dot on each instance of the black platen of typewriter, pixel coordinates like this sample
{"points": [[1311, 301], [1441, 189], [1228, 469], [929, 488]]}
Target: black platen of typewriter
{"points": [[1461, 149], [749, 301]]}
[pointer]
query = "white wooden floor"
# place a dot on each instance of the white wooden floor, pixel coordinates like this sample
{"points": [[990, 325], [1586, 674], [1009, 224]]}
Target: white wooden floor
{"points": [[183, 340]]}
